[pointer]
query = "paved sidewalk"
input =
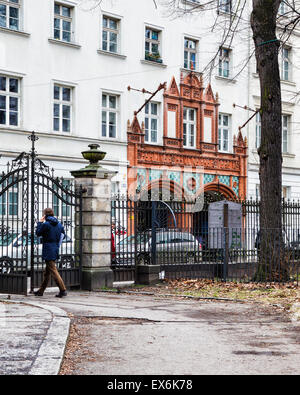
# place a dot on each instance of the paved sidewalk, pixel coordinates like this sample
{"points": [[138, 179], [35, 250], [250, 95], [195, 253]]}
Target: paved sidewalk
{"points": [[33, 336], [125, 334]]}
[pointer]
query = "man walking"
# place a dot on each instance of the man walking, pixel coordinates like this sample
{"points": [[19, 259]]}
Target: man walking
{"points": [[51, 231]]}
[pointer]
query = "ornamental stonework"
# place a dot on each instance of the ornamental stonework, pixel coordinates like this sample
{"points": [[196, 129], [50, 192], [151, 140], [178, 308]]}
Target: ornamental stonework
{"points": [[221, 169]]}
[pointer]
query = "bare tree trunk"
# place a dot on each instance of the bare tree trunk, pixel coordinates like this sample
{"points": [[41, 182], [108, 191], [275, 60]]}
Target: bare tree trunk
{"points": [[263, 23]]}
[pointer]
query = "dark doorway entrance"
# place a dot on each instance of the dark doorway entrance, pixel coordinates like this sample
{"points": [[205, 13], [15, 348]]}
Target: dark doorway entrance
{"points": [[200, 218]]}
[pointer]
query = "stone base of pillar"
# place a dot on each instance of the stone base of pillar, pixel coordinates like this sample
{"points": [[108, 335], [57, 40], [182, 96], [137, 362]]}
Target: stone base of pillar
{"points": [[95, 278], [148, 274]]}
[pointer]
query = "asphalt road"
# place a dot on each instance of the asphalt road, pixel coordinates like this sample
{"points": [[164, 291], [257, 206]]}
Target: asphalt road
{"points": [[142, 335]]}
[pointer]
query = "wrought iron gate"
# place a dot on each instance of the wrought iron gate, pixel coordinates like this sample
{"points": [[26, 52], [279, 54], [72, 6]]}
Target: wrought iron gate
{"points": [[26, 189]]}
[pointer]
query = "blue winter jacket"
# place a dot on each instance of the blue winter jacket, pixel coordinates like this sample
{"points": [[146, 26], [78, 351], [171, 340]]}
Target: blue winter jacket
{"points": [[50, 231]]}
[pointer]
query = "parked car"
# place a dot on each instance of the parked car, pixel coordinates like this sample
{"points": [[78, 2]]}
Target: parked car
{"points": [[172, 246], [12, 251]]}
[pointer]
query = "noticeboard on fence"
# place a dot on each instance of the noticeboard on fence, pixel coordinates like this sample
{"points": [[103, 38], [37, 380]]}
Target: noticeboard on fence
{"points": [[216, 224]]}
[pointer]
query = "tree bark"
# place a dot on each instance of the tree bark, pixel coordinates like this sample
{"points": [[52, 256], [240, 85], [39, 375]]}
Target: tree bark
{"points": [[263, 23]]}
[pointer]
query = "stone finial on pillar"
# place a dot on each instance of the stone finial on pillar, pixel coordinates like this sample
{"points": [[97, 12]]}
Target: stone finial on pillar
{"points": [[96, 220]]}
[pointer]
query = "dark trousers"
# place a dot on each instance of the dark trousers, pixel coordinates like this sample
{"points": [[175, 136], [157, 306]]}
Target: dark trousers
{"points": [[51, 270]]}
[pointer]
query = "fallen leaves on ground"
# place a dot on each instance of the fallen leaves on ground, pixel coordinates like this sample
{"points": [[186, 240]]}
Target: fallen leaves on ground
{"points": [[76, 346], [268, 293]]}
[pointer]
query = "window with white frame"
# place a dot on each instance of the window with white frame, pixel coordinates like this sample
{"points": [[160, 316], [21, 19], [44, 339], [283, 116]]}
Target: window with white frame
{"points": [[190, 53], [224, 6], [285, 133], [285, 64], [9, 201], [224, 62], [110, 114], [257, 191], [224, 132], [151, 122], [62, 108], [110, 34], [9, 101], [257, 130], [189, 127], [153, 45], [286, 192], [63, 22], [282, 8], [60, 208], [10, 14]]}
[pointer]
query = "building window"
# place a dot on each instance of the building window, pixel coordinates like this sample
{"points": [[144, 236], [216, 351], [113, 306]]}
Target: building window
{"points": [[224, 62], [109, 115], [224, 6], [190, 54], [62, 22], [257, 130], [9, 101], [286, 192], [285, 64], [60, 208], [152, 45], [257, 191], [151, 122], [110, 34], [62, 108], [224, 132], [285, 133], [189, 127], [282, 8], [10, 14], [9, 200]]}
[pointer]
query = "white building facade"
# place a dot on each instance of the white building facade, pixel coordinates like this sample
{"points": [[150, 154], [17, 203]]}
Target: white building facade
{"points": [[65, 68]]}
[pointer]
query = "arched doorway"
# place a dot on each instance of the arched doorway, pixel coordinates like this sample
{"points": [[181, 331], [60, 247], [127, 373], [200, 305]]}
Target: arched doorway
{"points": [[154, 199], [212, 193]]}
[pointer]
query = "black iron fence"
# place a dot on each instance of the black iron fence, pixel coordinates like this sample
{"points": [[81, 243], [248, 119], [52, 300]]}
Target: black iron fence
{"points": [[180, 238]]}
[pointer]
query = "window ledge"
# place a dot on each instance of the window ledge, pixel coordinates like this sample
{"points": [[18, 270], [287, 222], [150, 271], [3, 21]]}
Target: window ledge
{"points": [[9, 127], [288, 155], [65, 43], [291, 83], [191, 71], [12, 31], [153, 63], [227, 79], [193, 3], [284, 154], [116, 55], [226, 13]]}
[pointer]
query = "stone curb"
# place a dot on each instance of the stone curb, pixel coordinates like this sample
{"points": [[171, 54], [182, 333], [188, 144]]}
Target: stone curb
{"points": [[51, 352]]}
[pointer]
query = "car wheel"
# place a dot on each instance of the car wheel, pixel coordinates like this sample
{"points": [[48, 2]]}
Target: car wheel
{"points": [[143, 259], [6, 265], [66, 262], [191, 258]]}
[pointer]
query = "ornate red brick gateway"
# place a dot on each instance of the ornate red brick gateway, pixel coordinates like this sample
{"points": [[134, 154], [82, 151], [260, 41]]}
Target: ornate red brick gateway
{"points": [[175, 164]]}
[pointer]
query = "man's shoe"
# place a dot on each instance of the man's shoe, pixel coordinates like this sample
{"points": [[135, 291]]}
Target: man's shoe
{"points": [[61, 294], [37, 293]]}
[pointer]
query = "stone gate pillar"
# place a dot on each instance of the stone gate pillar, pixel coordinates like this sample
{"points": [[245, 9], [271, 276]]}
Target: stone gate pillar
{"points": [[96, 220]]}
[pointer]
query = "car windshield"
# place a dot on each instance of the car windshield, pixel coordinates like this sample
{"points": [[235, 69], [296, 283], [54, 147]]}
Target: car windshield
{"points": [[22, 240], [174, 237], [7, 239], [67, 239], [141, 238]]}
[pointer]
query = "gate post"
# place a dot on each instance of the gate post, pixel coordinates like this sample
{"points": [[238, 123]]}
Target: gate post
{"points": [[96, 220]]}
